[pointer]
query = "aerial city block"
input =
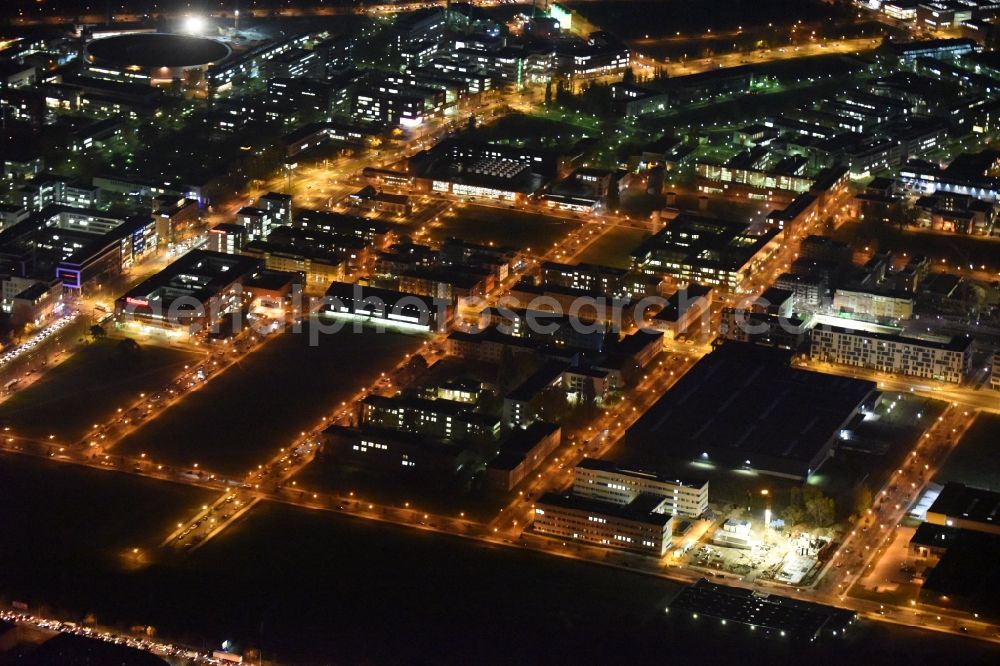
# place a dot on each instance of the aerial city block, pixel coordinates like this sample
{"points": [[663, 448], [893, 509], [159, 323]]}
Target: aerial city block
{"points": [[499, 332]]}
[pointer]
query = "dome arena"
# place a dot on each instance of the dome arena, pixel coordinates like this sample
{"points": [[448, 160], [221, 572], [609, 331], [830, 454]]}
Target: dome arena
{"points": [[155, 55]]}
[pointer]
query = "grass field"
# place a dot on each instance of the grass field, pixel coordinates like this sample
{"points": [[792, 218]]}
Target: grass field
{"points": [[614, 248], [503, 226], [71, 527], [88, 387], [242, 417], [440, 495], [659, 18], [974, 461], [303, 586], [954, 249]]}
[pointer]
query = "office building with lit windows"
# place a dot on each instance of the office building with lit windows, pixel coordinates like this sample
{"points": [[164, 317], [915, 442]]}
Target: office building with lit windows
{"points": [[444, 419], [77, 245], [603, 480], [484, 170], [188, 295], [227, 238], [639, 526], [707, 251], [391, 450]]}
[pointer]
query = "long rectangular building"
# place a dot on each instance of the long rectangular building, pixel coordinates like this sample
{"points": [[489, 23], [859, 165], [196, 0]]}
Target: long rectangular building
{"points": [[444, 419], [743, 407], [966, 508], [947, 361], [184, 297], [604, 480], [637, 526], [707, 251], [386, 306]]}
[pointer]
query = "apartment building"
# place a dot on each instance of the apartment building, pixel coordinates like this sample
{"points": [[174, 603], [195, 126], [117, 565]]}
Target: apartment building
{"points": [[947, 361]]}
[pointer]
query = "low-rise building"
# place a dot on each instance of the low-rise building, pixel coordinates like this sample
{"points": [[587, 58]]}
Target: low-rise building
{"points": [[11, 214], [47, 190], [874, 305], [175, 217], [520, 453], [444, 419], [392, 450], [386, 306], [37, 303], [808, 291], [368, 198], [637, 526], [967, 508], [604, 480], [187, 296], [227, 238], [257, 221], [684, 307], [321, 267], [707, 251], [79, 245]]}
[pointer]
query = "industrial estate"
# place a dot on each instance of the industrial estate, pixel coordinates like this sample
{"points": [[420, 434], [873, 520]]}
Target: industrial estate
{"points": [[699, 297]]}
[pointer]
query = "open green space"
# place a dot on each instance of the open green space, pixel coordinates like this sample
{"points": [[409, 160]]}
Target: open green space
{"points": [[673, 49], [614, 248], [953, 249], [88, 387], [242, 417], [556, 131], [663, 18], [69, 527], [503, 226], [741, 109], [437, 494], [302, 585], [974, 461]]}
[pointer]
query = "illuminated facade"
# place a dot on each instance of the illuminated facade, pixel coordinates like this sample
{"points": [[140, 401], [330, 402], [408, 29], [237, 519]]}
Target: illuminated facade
{"points": [[605, 481], [707, 251], [939, 361], [188, 295], [637, 526]]}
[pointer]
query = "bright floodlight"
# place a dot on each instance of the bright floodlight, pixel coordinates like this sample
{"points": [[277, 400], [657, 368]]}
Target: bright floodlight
{"points": [[194, 25]]}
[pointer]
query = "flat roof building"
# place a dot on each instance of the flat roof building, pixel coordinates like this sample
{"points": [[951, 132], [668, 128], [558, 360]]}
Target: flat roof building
{"points": [[77, 245], [392, 450], [744, 407], [188, 295], [444, 419], [707, 251], [606, 481], [944, 361], [768, 613], [637, 526], [683, 308], [386, 306], [966, 508], [520, 453]]}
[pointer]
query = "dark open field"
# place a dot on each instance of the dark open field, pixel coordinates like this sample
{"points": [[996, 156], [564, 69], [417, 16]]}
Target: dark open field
{"points": [[88, 387], [242, 417], [503, 226]]}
